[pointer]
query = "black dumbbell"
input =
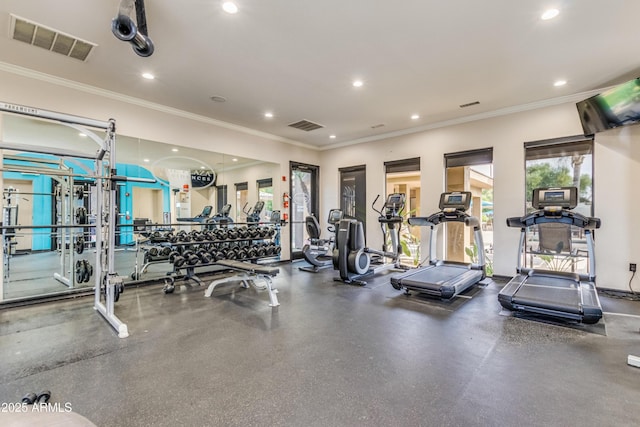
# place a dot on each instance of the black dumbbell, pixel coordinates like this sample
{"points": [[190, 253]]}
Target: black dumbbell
{"points": [[172, 256], [192, 258], [153, 252], [165, 251], [29, 398], [206, 258], [252, 252], [261, 250], [179, 261]]}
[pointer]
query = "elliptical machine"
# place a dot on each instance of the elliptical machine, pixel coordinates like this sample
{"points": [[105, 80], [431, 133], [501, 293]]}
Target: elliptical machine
{"points": [[319, 252], [221, 219], [253, 214], [353, 259]]}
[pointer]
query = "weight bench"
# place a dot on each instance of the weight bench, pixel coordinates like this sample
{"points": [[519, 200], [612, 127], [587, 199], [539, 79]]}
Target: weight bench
{"points": [[248, 273]]}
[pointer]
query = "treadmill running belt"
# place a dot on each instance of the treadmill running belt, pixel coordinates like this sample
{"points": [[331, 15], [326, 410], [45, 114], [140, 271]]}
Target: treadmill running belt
{"points": [[550, 293], [435, 276]]}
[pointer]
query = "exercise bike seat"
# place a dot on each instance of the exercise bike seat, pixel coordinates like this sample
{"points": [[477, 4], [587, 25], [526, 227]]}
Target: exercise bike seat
{"points": [[313, 227]]}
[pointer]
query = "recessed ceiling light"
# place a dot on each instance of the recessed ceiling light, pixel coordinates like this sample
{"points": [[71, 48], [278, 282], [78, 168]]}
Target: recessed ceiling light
{"points": [[549, 14], [201, 167], [560, 83], [148, 76], [234, 160], [175, 150], [146, 160], [268, 115], [415, 116], [230, 7], [83, 135], [357, 83], [332, 136]]}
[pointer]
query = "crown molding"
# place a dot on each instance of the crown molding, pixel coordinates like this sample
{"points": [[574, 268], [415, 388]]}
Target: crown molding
{"points": [[26, 72], [37, 75], [475, 117]]}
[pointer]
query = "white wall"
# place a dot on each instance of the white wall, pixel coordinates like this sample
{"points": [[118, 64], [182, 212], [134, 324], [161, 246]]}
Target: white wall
{"points": [[156, 123], [615, 159], [251, 175], [617, 203]]}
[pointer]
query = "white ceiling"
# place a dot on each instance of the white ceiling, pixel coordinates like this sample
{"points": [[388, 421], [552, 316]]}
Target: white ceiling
{"points": [[298, 58]]}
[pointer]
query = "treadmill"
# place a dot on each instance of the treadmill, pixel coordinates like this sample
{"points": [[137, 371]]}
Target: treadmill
{"points": [[557, 294], [442, 278]]}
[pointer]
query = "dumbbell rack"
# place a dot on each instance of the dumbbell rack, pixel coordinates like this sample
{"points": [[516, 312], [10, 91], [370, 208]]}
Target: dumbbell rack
{"points": [[155, 252], [243, 243]]}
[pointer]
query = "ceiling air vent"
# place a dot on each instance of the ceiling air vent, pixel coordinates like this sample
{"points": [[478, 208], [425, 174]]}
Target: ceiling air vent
{"points": [[47, 38], [305, 125]]}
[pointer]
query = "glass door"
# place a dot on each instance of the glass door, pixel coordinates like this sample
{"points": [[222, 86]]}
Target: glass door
{"points": [[303, 202]]}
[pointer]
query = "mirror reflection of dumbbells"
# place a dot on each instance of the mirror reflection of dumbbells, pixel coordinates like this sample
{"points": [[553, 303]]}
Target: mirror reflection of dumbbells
{"points": [[219, 234]]}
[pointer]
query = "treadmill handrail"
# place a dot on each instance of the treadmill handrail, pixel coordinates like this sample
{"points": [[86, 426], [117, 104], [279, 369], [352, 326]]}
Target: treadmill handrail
{"points": [[564, 217], [516, 222], [442, 216], [420, 221]]}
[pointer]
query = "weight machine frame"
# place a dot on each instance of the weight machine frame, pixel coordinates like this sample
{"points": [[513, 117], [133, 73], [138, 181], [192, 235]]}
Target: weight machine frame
{"points": [[106, 177]]}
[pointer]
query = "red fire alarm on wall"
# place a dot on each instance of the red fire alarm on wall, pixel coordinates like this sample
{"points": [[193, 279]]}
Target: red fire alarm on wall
{"points": [[185, 188]]}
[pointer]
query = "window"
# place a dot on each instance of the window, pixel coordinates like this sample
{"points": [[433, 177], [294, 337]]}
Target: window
{"points": [[265, 194], [561, 162]]}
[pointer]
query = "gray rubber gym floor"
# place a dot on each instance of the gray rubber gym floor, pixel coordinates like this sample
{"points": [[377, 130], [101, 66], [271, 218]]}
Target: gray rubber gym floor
{"points": [[330, 355]]}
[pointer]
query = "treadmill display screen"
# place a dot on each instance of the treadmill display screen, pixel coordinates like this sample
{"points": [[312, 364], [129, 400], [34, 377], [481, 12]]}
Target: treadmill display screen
{"points": [[455, 199], [335, 215], [554, 196]]}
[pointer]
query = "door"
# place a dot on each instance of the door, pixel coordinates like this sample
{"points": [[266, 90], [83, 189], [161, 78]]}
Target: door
{"points": [[303, 202]]}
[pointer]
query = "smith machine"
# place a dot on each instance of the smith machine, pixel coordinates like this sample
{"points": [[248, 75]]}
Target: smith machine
{"points": [[107, 284]]}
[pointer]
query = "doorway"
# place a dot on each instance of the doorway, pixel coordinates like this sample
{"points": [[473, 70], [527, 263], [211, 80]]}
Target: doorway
{"points": [[403, 176], [303, 202], [471, 171]]}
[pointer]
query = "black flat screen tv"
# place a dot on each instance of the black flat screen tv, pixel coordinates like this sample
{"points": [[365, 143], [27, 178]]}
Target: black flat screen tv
{"points": [[619, 106]]}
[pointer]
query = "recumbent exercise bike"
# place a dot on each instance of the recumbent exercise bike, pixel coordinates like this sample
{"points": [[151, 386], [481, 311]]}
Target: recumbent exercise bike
{"points": [[319, 252]]}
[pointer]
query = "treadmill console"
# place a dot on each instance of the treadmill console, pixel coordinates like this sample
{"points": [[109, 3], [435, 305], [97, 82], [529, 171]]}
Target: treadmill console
{"points": [[455, 201], [226, 209], [555, 198], [394, 204], [335, 215]]}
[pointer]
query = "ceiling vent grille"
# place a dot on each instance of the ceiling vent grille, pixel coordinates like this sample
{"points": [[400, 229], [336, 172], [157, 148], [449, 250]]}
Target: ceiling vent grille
{"points": [[47, 38], [306, 125]]}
